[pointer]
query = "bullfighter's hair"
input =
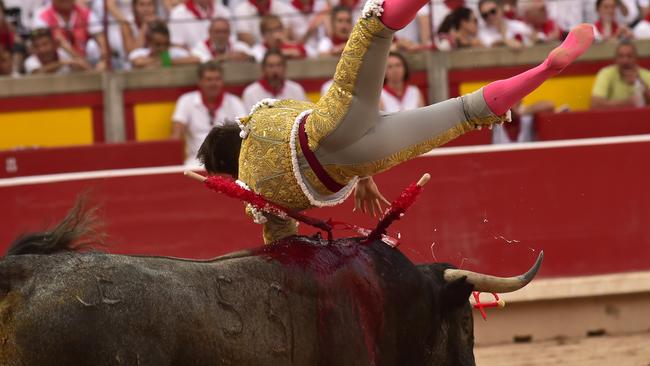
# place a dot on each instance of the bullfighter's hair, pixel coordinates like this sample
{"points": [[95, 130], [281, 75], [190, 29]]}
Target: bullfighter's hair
{"points": [[79, 230], [219, 152]]}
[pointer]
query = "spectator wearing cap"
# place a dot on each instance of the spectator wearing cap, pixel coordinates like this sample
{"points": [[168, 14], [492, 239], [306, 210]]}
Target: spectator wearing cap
{"points": [[47, 58], [397, 95], [535, 15], [220, 46], [606, 27], [341, 29], [76, 25], [624, 84], [274, 37], [160, 52], [249, 13], [197, 112], [189, 21], [499, 30], [273, 83]]}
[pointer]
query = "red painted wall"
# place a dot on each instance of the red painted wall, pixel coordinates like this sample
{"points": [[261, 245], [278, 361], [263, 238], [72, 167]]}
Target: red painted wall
{"points": [[588, 207]]}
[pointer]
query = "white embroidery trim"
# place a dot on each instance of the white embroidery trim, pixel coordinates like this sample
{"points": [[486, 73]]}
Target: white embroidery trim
{"points": [[347, 190], [258, 216], [264, 103], [373, 7]]}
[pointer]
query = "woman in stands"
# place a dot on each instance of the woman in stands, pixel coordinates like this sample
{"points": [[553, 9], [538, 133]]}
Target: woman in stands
{"points": [[397, 95], [607, 28], [301, 155], [134, 28]]}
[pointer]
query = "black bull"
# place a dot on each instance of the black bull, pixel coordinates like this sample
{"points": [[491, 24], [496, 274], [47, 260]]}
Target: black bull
{"points": [[299, 302]]}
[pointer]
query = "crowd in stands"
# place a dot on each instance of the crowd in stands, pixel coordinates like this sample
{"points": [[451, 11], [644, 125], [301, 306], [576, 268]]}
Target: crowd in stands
{"points": [[60, 36]]}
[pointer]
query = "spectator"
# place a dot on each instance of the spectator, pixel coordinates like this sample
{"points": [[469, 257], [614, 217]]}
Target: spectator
{"points": [[273, 83], [627, 12], [160, 52], [274, 38], [464, 25], [441, 9], [606, 27], [7, 34], [198, 111], [355, 5], [190, 20], [249, 12], [74, 26], [499, 30], [623, 84], [133, 25], [536, 16], [47, 58], [341, 28], [311, 19], [642, 29], [397, 94], [220, 47], [6, 63], [27, 9]]}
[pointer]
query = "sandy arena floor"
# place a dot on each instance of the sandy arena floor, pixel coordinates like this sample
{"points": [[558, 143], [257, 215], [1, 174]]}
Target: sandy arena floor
{"points": [[629, 350]]}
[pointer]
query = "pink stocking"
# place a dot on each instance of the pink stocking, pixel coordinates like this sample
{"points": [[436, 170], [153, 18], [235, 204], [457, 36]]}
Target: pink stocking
{"points": [[399, 13], [503, 94]]}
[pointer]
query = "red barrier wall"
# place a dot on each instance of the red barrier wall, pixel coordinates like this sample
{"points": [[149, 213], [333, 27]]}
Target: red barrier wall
{"points": [[587, 207], [17, 163]]}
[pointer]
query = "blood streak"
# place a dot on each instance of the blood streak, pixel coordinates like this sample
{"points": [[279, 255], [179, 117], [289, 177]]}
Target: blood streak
{"points": [[347, 281]]}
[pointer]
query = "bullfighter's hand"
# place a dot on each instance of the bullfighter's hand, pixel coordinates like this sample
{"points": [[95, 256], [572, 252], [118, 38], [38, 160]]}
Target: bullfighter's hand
{"points": [[368, 198]]}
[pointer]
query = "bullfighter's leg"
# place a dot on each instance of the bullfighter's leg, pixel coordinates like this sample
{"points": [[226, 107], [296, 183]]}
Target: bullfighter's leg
{"points": [[400, 136]]}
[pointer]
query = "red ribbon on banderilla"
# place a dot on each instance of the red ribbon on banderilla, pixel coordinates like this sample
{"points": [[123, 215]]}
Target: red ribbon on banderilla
{"points": [[481, 306]]}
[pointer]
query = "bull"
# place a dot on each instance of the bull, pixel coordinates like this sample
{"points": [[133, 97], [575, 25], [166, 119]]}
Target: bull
{"points": [[301, 301]]}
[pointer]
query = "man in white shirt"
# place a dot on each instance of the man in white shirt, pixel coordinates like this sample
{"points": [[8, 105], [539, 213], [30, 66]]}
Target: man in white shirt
{"points": [[198, 111], [341, 29], [273, 83], [220, 47], [249, 12], [48, 58], [189, 21]]}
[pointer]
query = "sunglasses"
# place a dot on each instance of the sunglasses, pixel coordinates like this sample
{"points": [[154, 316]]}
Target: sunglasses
{"points": [[492, 11]]}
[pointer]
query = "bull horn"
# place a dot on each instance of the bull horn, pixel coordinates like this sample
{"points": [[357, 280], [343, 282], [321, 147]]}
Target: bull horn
{"points": [[487, 283]]}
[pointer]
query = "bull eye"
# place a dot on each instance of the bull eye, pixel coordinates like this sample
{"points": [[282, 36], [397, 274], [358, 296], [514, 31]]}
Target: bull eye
{"points": [[455, 294]]}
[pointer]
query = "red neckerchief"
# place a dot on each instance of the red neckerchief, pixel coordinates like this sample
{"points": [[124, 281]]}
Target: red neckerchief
{"points": [[218, 101], [192, 7], [337, 40], [647, 18], [601, 27], [548, 27], [6, 38], [290, 46], [274, 92], [393, 92], [352, 4], [213, 50], [303, 7], [261, 10]]}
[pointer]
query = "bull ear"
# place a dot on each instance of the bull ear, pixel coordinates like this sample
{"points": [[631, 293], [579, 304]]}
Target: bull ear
{"points": [[456, 293]]}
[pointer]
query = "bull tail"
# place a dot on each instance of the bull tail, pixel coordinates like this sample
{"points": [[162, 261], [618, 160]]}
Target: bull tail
{"points": [[79, 230]]}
